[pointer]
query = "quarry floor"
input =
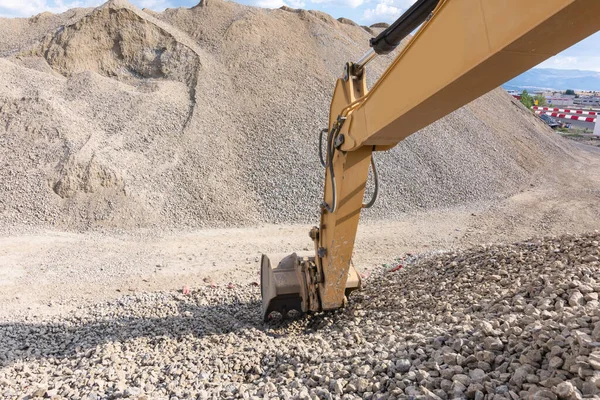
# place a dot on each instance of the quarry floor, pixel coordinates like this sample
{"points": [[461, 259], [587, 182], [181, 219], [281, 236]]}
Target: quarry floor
{"points": [[47, 272]]}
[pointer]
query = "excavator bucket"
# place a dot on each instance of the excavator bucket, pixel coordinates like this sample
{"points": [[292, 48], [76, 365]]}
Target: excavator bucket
{"points": [[288, 282], [279, 285]]}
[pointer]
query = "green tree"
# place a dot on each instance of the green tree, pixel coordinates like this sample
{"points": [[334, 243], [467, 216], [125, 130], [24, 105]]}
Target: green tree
{"points": [[541, 100], [570, 91], [526, 99]]}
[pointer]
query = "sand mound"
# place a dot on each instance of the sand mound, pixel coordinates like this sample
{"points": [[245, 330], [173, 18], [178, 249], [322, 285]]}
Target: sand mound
{"points": [[380, 25], [347, 21], [208, 116], [107, 41]]}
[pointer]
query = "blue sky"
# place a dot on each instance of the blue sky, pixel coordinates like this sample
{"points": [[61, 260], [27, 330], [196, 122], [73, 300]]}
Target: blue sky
{"points": [[584, 55]]}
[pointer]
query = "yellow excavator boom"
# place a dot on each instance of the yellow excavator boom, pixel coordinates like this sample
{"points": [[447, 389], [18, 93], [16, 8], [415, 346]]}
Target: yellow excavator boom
{"points": [[462, 50]]}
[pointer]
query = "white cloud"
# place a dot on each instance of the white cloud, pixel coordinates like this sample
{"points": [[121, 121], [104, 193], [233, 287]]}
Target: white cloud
{"points": [[20, 8], [279, 3], [296, 3], [354, 3], [404, 4], [587, 63], [401, 4], [386, 10], [16, 8], [270, 3], [564, 61], [348, 3], [156, 5], [382, 12]]}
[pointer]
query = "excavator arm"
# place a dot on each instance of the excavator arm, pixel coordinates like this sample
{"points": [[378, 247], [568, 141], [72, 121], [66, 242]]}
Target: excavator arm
{"points": [[462, 50]]}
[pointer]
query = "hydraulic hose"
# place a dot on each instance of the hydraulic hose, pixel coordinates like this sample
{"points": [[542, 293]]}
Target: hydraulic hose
{"points": [[376, 182], [329, 164], [321, 147], [391, 37]]}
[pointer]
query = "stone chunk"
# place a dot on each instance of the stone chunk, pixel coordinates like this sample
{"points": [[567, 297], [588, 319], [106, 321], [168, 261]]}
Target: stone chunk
{"points": [[403, 365], [493, 344], [565, 390], [555, 362], [477, 375], [576, 299], [594, 360]]}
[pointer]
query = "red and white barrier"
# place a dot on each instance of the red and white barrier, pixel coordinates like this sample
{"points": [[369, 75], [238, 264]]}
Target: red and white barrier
{"points": [[565, 116], [565, 110]]}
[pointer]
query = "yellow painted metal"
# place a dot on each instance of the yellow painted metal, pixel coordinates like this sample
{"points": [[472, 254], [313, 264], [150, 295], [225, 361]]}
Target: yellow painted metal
{"points": [[466, 49], [337, 230]]}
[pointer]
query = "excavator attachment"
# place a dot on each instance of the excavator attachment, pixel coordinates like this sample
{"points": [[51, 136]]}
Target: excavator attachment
{"points": [[291, 283], [480, 44]]}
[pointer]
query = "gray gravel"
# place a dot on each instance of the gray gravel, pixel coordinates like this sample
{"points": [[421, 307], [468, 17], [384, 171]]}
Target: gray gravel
{"points": [[493, 322], [121, 118]]}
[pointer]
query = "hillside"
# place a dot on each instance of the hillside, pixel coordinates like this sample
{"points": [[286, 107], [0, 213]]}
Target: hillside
{"points": [[558, 79], [122, 118]]}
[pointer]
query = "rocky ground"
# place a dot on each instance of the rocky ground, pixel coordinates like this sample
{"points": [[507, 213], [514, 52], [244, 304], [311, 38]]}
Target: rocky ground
{"points": [[206, 117], [492, 322], [585, 138], [126, 131]]}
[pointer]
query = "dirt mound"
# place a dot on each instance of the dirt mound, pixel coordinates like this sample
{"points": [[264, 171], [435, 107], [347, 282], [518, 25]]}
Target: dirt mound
{"points": [[369, 30], [380, 25], [347, 21], [107, 41], [208, 116]]}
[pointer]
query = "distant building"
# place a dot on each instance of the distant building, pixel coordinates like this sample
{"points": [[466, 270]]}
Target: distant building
{"points": [[588, 101], [560, 100]]}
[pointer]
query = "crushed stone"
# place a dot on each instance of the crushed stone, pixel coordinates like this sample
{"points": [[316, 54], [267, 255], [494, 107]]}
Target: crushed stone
{"points": [[495, 322], [122, 118]]}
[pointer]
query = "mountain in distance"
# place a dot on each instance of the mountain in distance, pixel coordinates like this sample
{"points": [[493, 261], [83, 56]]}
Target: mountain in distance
{"points": [[558, 79]]}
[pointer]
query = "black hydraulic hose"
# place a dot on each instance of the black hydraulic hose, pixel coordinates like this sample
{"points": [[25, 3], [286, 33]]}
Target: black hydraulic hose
{"points": [[376, 182], [328, 164], [330, 151], [391, 37], [321, 147]]}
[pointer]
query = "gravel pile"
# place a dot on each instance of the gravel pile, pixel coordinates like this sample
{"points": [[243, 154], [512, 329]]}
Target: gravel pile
{"points": [[493, 322], [208, 116]]}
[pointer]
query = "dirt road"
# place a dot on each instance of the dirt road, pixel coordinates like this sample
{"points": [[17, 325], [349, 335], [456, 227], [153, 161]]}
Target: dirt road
{"points": [[45, 272]]}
